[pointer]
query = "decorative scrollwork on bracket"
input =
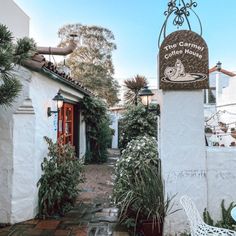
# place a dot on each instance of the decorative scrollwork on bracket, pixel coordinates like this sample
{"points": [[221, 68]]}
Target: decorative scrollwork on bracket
{"points": [[181, 12]]}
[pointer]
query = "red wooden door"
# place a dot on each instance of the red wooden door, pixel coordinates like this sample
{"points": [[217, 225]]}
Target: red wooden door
{"points": [[66, 123]]}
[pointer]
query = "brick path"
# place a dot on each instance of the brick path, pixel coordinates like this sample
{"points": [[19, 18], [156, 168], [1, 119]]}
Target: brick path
{"points": [[93, 213]]}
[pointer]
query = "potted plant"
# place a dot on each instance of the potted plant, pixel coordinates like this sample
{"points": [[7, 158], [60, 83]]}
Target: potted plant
{"points": [[145, 202], [233, 132], [208, 131], [223, 127], [139, 190]]}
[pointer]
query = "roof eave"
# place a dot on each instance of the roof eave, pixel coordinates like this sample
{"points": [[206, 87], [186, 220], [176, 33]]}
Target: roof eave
{"points": [[56, 77]]}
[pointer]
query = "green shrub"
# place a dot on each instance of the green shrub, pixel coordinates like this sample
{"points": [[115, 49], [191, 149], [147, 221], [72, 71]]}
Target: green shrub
{"points": [[226, 220], [136, 121], [139, 154], [58, 185], [139, 190], [98, 132]]}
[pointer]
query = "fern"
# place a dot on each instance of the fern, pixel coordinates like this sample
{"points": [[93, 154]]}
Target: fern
{"points": [[226, 220]]}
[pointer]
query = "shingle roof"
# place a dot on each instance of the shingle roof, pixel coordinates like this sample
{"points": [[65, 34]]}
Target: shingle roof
{"points": [[40, 64], [226, 72]]}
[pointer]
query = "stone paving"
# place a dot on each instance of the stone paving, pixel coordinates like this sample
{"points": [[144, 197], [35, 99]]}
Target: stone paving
{"points": [[93, 214]]}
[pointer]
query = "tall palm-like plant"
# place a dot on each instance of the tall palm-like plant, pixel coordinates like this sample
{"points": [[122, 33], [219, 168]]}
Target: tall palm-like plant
{"points": [[133, 86]]}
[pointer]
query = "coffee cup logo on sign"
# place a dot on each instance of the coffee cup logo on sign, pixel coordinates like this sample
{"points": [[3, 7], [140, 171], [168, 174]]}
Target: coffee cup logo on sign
{"points": [[183, 62]]}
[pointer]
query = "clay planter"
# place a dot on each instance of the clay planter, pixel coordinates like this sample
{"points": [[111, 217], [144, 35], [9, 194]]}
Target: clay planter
{"points": [[148, 228]]}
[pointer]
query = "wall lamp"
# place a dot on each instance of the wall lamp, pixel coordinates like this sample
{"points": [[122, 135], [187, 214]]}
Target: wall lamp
{"points": [[146, 97], [59, 100]]}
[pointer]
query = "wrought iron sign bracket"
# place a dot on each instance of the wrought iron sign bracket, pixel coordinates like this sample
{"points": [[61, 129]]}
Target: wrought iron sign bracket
{"points": [[181, 12]]}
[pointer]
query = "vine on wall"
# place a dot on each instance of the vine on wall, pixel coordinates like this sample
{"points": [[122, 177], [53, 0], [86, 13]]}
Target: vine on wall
{"points": [[98, 132]]}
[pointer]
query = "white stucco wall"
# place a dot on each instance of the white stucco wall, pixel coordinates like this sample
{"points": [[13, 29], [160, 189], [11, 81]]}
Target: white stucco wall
{"points": [[82, 149], [5, 165], [182, 151], [42, 90], [14, 18], [24, 179], [22, 147], [221, 176], [115, 116], [7, 151]]}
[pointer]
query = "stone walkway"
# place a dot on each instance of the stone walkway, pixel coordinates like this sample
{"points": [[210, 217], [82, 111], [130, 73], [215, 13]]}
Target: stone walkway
{"points": [[93, 214]]}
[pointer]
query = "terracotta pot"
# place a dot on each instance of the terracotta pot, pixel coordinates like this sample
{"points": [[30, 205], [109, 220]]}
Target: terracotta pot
{"points": [[147, 228]]}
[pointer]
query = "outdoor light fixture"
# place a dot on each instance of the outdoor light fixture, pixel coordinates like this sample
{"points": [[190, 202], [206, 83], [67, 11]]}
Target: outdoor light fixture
{"points": [[146, 95], [59, 99], [218, 65]]}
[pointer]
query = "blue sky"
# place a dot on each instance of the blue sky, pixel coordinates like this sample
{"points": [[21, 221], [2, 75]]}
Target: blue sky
{"points": [[136, 25]]}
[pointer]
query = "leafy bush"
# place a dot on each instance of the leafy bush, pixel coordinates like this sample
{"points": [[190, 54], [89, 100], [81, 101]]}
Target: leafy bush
{"points": [[98, 132], [58, 185], [226, 221], [136, 121], [139, 189], [139, 154]]}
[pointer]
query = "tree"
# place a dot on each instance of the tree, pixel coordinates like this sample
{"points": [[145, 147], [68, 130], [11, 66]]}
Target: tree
{"points": [[91, 62], [11, 54], [133, 86]]}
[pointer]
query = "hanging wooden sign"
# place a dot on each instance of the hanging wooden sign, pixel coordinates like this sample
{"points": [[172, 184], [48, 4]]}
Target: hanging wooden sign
{"points": [[183, 62]]}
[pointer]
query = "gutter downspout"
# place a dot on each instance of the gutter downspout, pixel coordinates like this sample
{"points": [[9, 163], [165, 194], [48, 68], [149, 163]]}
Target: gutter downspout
{"points": [[39, 61], [58, 51]]}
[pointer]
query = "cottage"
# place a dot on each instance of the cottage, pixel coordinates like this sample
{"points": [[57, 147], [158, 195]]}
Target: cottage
{"points": [[23, 126]]}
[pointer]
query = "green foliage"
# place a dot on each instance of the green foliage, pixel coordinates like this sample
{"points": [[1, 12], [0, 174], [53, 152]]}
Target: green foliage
{"points": [[139, 189], [136, 121], [24, 49], [207, 218], [91, 62], [133, 86], [58, 185], [9, 90], [139, 154], [98, 132], [9, 54], [208, 130], [226, 220]]}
